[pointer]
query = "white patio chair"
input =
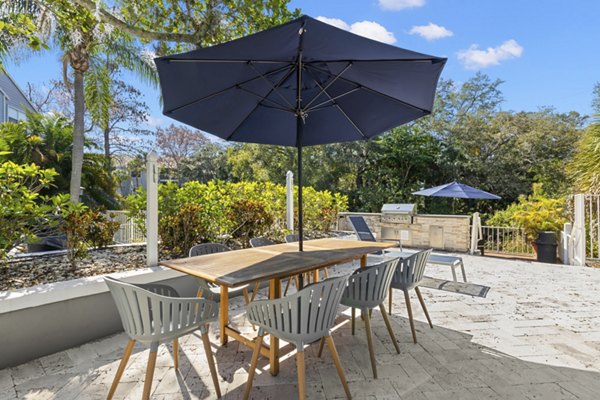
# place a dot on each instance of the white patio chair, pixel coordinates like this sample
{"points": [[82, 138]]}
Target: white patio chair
{"points": [[210, 290], [292, 238], [263, 241], [367, 288], [409, 274], [158, 315], [299, 319]]}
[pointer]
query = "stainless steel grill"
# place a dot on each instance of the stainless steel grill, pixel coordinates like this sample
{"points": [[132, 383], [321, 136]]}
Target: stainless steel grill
{"points": [[398, 213]]}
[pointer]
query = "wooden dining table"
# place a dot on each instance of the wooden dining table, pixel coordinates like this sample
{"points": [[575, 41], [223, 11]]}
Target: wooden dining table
{"points": [[269, 263]]}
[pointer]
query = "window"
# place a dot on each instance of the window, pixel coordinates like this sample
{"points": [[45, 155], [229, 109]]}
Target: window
{"points": [[15, 115]]}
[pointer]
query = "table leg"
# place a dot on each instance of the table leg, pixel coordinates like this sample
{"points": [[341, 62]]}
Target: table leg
{"points": [[274, 293], [363, 261], [224, 311]]}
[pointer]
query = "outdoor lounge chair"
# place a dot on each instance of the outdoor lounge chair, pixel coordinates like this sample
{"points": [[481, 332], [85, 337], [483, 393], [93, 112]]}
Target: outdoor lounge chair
{"points": [[363, 232], [210, 290], [367, 288], [409, 275], [153, 314], [300, 319]]}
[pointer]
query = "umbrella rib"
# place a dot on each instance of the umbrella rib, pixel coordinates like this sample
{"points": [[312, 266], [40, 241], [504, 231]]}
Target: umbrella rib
{"points": [[210, 96], [331, 100], [287, 75], [275, 104], [338, 107], [192, 60], [272, 86], [381, 94], [328, 85]]}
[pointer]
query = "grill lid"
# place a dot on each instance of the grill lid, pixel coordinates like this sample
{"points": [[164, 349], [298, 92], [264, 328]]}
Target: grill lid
{"points": [[399, 209]]}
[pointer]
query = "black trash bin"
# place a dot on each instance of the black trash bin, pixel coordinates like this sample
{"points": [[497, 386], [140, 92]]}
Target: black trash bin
{"points": [[546, 247]]}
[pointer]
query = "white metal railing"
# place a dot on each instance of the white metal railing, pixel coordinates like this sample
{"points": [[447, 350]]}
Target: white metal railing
{"points": [[128, 232], [506, 240]]}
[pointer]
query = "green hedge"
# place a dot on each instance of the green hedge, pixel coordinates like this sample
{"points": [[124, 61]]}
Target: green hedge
{"points": [[218, 211]]}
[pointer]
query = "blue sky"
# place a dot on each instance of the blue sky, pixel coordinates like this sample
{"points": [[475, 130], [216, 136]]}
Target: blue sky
{"points": [[546, 51]]}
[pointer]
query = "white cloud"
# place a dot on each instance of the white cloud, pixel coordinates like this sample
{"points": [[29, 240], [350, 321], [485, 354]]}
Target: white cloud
{"points": [[369, 29], [154, 122], [338, 23], [475, 58], [431, 31], [397, 5]]}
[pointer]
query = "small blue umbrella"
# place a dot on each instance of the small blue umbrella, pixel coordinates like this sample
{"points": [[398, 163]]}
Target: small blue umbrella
{"points": [[458, 191], [299, 84]]}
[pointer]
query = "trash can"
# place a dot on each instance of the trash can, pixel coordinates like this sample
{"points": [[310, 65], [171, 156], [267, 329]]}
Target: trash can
{"points": [[546, 247]]}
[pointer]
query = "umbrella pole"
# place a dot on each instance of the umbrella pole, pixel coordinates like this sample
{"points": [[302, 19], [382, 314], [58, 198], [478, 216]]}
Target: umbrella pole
{"points": [[300, 216], [299, 127]]}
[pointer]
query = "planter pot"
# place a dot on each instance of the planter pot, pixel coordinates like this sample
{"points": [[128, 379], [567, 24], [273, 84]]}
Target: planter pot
{"points": [[546, 246]]}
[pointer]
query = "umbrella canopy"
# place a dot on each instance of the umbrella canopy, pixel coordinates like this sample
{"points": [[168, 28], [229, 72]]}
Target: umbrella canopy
{"points": [[298, 84], [457, 190]]}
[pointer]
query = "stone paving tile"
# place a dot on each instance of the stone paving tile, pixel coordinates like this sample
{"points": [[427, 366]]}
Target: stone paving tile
{"points": [[536, 336]]}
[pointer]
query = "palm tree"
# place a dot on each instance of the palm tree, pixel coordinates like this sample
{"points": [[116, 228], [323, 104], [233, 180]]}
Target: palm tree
{"points": [[82, 37]]}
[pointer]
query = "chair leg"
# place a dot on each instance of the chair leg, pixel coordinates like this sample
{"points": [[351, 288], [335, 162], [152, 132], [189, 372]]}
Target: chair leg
{"points": [[462, 268], [370, 343], [246, 297], [211, 363], [176, 353], [338, 365], [287, 286], [353, 319], [326, 272], [150, 372], [410, 316], [121, 369], [256, 286], [321, 345], [253, 363], [390, 300], [386, 319], [301, 374], [423, 306]]}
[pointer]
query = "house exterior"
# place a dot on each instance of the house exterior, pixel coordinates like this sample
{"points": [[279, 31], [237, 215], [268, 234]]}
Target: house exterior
{"points": [[13, 101]]}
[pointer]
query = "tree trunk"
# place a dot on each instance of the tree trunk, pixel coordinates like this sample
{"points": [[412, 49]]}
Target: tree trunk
{"points": [[108, 163], [78, 136]]}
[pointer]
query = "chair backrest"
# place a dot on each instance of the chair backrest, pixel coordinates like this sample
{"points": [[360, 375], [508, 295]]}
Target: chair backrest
{"points": [[261, 241], [149, 317], [362, 230], [368, 287], [411, 269], [208, 248], [301, 317], [294, 237]]}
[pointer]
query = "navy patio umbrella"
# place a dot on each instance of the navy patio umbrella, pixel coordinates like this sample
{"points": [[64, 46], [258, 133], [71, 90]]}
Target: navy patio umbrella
{"points": [[299, 84], [458, 191]]}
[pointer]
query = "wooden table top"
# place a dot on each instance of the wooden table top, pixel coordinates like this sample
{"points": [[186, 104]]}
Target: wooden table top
{"points": [[240, 267]]}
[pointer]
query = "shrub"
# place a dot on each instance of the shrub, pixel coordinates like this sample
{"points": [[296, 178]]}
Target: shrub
{"points": [[180, 230], [239, 210], [534, 214], [23, 212], [75, 225], [85, 228], [251, 219], [101, 229]]}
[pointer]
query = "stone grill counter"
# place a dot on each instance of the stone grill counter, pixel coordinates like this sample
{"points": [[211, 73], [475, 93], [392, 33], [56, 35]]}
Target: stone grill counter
{"points": [[440, 232]]}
